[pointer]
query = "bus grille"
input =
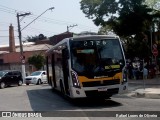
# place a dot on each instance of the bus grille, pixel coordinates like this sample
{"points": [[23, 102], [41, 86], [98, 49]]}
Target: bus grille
{"points": [[99, 83], [93, 93]]}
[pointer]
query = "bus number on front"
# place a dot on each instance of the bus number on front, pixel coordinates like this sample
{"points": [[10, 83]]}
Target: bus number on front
{"points": [[97, 43]]}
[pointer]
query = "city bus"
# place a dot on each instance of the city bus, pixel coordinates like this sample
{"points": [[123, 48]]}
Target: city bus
{"points": [[87, 66]]}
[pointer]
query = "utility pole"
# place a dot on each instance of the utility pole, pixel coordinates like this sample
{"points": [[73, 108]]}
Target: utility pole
{"points": [[71, 26], [22, 57], [20, 38]]}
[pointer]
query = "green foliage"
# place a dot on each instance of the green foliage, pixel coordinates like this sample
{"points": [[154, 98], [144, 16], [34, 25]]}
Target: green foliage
{"points": [[126, 18], [35, 38], [155, 4], [105, 30], [37, 60], [138, 48], [98, 10]]}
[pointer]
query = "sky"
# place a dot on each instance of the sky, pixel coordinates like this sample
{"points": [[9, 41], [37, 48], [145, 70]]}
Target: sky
{"points": [[65, 13]]}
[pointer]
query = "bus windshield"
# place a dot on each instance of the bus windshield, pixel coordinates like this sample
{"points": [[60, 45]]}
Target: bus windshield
{"points": [[96, 57]]}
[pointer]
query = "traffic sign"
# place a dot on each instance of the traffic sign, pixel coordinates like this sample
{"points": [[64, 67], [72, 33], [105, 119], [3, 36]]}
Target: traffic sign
{"points": [[23, 61], [154, 46], [155, 52], [22, 57]]}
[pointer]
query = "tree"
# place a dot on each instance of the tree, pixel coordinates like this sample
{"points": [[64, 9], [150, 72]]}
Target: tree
{"points": [[35, 38], [98, 10], [37, 60], [154, 4], [127, 18], [105, 30]]}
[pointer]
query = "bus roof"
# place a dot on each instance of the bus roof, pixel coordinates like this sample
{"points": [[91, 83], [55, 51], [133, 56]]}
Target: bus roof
{"points": [[92, 37]]}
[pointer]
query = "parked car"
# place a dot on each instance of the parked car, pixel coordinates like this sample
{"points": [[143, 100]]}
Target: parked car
{"points": [[37, 77], [10, 77]]}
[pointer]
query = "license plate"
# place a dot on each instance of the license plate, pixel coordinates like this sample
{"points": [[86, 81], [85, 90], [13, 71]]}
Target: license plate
{"points": [[102, 89]]}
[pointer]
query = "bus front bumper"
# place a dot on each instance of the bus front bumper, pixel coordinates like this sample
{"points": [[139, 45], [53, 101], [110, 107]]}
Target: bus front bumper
{"points": [[98, 91]]}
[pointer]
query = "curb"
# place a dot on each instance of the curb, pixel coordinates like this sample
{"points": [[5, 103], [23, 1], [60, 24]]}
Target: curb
{"points": [[146, 93]]}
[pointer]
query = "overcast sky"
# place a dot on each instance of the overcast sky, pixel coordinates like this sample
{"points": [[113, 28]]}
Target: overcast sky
{"points": [[66, 13]]}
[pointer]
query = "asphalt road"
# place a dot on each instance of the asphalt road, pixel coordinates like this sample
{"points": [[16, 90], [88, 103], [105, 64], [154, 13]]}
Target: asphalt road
{"points": [[42, 98]]}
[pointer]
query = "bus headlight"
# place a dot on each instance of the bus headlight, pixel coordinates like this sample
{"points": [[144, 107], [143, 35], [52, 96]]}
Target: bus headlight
{"points": [[75, 80]]}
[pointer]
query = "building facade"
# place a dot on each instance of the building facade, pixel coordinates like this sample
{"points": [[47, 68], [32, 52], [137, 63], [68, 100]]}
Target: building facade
{"points": [[11, 59], [10, 56]]}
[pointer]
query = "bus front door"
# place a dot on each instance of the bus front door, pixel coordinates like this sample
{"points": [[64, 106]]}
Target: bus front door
{"points": [[65, 69]]}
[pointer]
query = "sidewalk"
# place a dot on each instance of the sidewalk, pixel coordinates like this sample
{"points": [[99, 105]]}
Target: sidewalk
{"points": [[149, 88]]}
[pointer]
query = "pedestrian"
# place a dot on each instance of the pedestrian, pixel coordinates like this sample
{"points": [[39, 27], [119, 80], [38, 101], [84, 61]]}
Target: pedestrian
{"points": [[130, 68], [145, 73]]}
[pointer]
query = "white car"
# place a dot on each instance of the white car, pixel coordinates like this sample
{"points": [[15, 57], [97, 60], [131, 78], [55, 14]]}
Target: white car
{"points": [[37, 77]]}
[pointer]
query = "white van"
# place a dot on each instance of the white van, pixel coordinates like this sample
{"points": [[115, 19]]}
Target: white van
{"points": [[37, 77]]}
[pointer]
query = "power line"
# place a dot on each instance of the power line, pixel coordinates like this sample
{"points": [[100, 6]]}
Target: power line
{"points": [[4, 30], [7, 7], [37, 17], [48, 20], [30, 28], [14, 11], [8, 36], [40, 30], [7, 11], [60, 22], [4, 36]]}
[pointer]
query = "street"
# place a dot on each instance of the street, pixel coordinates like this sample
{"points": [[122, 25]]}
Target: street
{"points": [[42, 98]]}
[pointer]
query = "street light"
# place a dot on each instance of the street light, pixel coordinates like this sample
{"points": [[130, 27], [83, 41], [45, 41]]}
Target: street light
{"points": [[20, 38], [37, 17]]}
